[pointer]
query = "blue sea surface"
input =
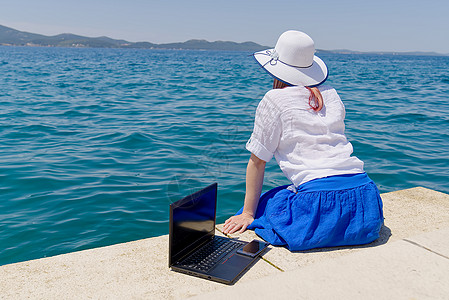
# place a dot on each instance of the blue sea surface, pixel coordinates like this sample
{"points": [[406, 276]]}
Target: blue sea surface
{"points": [[96, 143]]}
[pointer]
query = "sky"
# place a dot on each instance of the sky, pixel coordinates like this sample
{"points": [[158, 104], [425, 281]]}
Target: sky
{"points": [[376, 25]]}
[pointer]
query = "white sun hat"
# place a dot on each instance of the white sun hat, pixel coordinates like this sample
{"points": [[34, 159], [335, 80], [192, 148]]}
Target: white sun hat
{"points": [[293, 60]]}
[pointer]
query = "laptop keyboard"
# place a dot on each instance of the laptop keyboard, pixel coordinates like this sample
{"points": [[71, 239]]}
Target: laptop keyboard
{"points": [[206, 257]]}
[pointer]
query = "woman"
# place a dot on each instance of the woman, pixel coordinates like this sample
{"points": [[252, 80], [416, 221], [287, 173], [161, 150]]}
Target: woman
{"points": [[331, 202]]}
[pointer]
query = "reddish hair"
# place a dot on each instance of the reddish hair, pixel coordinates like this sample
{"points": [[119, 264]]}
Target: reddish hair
{"points": [[315, 97]]}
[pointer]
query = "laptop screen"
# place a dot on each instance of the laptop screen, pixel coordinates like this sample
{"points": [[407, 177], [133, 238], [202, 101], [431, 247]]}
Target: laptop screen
{"points": [[192, 220]]}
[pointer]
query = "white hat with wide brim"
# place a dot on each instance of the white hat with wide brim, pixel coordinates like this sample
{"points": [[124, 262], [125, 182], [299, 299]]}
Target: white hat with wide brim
{"points": [[293, 60]]}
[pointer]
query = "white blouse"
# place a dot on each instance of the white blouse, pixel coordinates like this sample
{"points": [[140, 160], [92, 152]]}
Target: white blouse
{"points": [[306, 144]]}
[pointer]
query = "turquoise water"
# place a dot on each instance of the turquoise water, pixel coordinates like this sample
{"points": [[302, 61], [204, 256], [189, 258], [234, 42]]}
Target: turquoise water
{"points": [[95, 143]]}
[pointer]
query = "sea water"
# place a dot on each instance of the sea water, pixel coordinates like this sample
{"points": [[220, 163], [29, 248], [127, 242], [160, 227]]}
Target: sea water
{"points": [[96, 143]]}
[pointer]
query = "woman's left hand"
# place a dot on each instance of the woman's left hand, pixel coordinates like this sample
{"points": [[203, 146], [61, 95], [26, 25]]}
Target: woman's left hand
{"points": [[237, 223]]}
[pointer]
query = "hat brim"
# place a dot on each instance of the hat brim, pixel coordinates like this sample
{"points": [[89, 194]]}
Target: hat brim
{"points": [[310, 76]]}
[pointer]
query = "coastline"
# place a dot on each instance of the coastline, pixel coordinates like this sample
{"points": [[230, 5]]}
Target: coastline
{"points": [[13, 37]]}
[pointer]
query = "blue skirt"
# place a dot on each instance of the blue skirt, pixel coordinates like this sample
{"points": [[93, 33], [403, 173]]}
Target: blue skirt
{"points": [[325, 212]]}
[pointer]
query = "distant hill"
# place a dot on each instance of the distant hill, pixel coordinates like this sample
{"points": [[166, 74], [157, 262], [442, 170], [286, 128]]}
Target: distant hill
{"points": [[13, 37], [346, 51]]}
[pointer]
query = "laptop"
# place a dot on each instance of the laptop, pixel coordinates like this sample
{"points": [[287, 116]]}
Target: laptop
{"points": [[194, 249]]}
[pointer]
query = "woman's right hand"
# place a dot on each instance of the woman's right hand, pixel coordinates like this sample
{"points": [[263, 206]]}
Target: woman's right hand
{"points": [[237, 223], [254, 180]]}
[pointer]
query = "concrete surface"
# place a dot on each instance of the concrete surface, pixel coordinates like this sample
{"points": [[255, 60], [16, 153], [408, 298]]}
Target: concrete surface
{"points": [[410, 260], [398, 270]]}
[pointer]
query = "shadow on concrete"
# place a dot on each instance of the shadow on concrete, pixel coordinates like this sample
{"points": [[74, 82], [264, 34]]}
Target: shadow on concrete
{"points": [[384, 236]]}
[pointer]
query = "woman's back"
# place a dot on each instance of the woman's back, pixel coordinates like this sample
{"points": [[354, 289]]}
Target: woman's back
{"points": [[305, 143]]}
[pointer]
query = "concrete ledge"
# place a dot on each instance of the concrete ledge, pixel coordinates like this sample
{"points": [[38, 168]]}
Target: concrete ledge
{"points": [[410, 260], [398, 270]]}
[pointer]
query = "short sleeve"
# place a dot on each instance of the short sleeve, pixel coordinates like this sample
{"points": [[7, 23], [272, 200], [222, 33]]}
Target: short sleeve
{"points": [[267, 130]]}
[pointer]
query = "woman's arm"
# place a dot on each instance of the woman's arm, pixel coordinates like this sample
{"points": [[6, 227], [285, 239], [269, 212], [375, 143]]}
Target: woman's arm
{"points": [[254, 180]]}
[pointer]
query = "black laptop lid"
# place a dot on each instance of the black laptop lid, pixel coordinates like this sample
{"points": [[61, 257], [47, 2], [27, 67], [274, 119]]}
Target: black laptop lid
{"points": [[192, 221]]}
